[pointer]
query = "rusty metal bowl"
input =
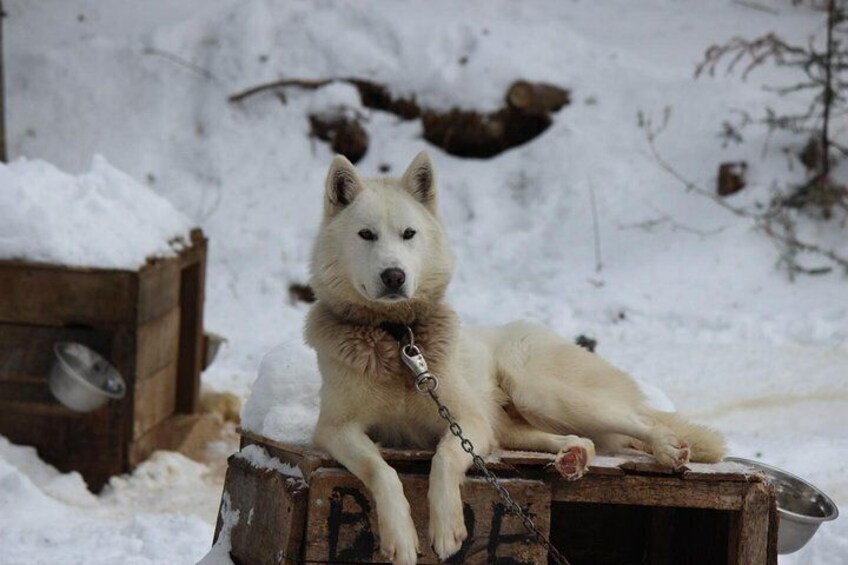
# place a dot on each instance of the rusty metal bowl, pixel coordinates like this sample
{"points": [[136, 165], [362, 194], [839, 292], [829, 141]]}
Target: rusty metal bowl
{"points": [[801, 506], [82, 380]]}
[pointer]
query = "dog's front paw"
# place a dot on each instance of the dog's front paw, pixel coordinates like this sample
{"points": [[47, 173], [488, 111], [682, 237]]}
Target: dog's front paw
{"points": [[572, 461], [447, 526], [398, 539], [671, 451]]}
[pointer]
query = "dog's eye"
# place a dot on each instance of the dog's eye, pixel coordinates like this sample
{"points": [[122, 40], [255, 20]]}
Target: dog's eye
{"points": [[367, 235], [409, 233]]}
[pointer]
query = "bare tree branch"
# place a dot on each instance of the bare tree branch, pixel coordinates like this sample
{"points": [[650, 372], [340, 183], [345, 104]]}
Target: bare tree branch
{"points": [[774, 220]]}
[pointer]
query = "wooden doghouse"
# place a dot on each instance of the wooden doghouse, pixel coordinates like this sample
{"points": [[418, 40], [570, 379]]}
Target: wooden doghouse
{"points": [[627, 510], [147, 323]]}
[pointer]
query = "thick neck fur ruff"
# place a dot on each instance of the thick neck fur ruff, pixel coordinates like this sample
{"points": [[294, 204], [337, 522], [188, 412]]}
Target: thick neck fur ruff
{"points": [[363, 346]]}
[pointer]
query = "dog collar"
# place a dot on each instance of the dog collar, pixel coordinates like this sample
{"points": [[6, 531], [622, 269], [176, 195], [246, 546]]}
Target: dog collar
{"points": [[400, 332]]}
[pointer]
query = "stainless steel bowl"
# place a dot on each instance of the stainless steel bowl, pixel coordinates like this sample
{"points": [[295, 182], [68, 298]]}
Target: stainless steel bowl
{"points": [[801, 506], [82, 380]]}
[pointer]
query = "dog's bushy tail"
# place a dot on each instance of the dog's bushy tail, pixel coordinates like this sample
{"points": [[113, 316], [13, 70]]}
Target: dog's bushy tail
{"points": [[706, 444]]}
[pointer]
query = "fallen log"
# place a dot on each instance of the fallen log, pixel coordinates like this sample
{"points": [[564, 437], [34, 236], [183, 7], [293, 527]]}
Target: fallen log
{"points": [[471, 134], [345, 135], [459, 132], [536, 97]]}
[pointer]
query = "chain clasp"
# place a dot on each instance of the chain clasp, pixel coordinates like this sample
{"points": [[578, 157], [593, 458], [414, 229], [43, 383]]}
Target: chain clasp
{"points": [[425, 381]]}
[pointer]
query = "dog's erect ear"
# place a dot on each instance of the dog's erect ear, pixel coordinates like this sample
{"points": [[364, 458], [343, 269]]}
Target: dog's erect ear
{"points": [[342, 186], [420, 180]]}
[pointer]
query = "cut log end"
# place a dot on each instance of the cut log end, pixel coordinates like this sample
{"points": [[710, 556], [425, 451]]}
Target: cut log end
{"points": [[346, 136], [536, 98], [731, 177]]}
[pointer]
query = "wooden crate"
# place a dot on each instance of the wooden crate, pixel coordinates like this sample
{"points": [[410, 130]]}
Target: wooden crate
{"points": [[148, 323], [627, 510]]}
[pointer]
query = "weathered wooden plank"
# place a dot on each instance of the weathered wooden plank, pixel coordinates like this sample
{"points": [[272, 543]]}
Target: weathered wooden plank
{"points": [[342, 520], [192, 352], [24, 388], [308, 458], [650, 491], [88, 443], [638, 462], [48, 409], [157, 344], [172, 434], [159, 289], [154, 400], [272, 514], [754, 526], [306, 461], [604, 464], [59, 296], [773, 526], [123, 358], [722, 472]]}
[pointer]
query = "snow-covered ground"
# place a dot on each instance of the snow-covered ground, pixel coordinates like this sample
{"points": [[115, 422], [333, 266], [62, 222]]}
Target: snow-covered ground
{"points": [[688, 298]]}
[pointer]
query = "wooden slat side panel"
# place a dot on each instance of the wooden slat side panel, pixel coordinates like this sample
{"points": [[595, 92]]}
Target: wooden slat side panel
{"points": [[179, 432], [158, 289], [774, 523], [651, 491], [307, 461], [157, 344], [272, 514], [605, 463], [754, 527], [123, 358], [57, 296], [22, 388], [155, 399], [342, 520], [88, 443]]}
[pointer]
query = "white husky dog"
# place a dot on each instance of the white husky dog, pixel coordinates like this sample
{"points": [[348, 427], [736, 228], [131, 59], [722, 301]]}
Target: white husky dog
{"points": [[381, 264]]}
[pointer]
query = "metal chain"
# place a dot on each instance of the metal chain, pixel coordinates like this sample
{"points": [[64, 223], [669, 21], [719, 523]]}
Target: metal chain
{"points": [[427, 383], [492, 479]]}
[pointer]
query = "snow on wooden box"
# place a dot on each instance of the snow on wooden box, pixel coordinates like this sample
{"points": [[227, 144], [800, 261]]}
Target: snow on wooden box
{"points": [[628, 509], [147, 322]]}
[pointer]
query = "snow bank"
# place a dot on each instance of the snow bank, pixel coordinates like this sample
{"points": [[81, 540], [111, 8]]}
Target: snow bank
{"points": [[283, 404], [49, 517], [102, 218]]}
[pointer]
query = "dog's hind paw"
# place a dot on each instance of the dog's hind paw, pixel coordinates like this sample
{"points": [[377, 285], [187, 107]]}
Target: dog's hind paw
{"points": [[572, 462], [672, 452]]}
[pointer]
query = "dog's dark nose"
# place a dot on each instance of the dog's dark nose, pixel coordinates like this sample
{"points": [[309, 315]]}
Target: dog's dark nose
{"points": [[393, 278]]}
